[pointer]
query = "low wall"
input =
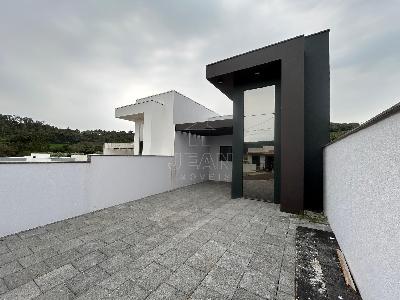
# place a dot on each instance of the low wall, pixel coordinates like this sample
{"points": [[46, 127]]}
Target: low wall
{"points": [[362, 203], [35, 194]]}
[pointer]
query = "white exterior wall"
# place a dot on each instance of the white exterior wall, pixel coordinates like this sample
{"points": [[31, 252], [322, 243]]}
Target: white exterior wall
{"points": [[161, 113], [138, 137], [35, 194], [188, 111], [191, 159], [219, 170], [119, 179], [197, 158], [362, 203]]}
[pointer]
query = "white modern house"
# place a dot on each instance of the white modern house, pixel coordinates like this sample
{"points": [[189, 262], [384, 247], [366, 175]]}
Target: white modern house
{"points": [[171, 124], [155, 118]]}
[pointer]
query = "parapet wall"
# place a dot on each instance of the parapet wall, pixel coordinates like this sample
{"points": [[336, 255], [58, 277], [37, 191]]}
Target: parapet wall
{"points": [[362, 203]]}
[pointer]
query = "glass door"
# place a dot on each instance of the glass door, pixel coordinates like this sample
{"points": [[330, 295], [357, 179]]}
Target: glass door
{"points": [[259, 136]]}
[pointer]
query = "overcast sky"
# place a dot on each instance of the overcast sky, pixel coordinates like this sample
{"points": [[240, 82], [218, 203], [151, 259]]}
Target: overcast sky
{"points": [[70, 63]]}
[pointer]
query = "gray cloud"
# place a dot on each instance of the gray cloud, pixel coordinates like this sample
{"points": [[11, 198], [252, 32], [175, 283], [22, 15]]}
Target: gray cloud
{"points": [[71, 62]]}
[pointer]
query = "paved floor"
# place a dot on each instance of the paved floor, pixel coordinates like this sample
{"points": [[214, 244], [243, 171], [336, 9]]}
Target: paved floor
{"points": [[259, 189], [193, 243]]}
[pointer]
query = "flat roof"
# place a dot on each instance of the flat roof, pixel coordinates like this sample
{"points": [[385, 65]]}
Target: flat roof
{"points": [[207, 128]]}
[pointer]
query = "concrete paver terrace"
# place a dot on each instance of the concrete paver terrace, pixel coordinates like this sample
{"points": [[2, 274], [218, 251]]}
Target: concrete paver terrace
{"points": [[190, 243]]}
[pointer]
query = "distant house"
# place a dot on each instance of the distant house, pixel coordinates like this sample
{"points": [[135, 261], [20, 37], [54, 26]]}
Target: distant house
{"points": [[118, 149]]}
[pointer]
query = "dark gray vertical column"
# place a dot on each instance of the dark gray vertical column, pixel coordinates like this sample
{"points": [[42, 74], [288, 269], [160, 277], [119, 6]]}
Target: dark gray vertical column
{"points": [[292, 130], [277, 145], [316, 111], [237, 144]]}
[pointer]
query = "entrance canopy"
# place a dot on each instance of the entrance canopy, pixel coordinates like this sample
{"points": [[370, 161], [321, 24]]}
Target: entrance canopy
{"points": [[299, 70], [207, 128]]}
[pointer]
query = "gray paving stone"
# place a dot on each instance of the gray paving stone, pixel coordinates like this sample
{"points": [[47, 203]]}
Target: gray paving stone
{"points": [[201, 236], [4, 249], [129, 290], [67, 236], [71, 244], [95, 293], [234, 262], [207, 256], [9, 268], [56, 277], [13, 255], [90, 260], [60, 292], [259, 284], [287, 279], [3, 287], [225, 238], [90, 247], [266, 265], [25, 275], [283, 296], [62, 259], [290, 290], [32, 232], [166, 292], [273, 239], [115, 263], [186, 278], [202, 293], [223, 281], [37, 257], [241, 249], [152, 276], [134, 238], [114, 248], [146, 259], [141, 242], [84, 280], [25, 292], [188, 246], [241, 294], [118, 278], [134, 252], [173, 259]]}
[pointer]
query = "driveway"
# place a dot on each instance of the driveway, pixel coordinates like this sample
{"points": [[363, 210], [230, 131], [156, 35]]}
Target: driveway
{"points": [[190, 243]]}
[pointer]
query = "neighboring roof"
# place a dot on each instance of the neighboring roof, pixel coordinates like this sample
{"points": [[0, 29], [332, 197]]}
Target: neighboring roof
{"points": [[150, 99], [207, 128], [383, 115]]}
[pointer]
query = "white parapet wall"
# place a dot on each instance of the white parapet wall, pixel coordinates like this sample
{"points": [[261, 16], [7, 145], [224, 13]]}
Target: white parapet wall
{"points": [[35, 194], [362, 203]]}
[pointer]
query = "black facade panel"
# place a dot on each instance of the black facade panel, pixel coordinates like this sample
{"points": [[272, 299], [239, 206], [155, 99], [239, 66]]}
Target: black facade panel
{"points": [[300, 69], [237, 145], [317, 116]]}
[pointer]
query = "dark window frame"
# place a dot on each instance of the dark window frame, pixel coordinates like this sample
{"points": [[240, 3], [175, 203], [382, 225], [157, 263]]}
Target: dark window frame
{"points": [[225, 153]]}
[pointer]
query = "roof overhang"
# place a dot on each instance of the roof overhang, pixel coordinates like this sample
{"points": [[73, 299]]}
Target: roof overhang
{"points": [[207, 128], [135, 112], [256, 67]]}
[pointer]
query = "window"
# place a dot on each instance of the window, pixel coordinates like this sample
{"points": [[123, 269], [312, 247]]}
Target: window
{"points": [[225, 153]]}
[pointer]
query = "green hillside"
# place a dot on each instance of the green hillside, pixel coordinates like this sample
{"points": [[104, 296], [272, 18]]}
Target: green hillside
{"points": [[20, 136], [338, 129]]}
